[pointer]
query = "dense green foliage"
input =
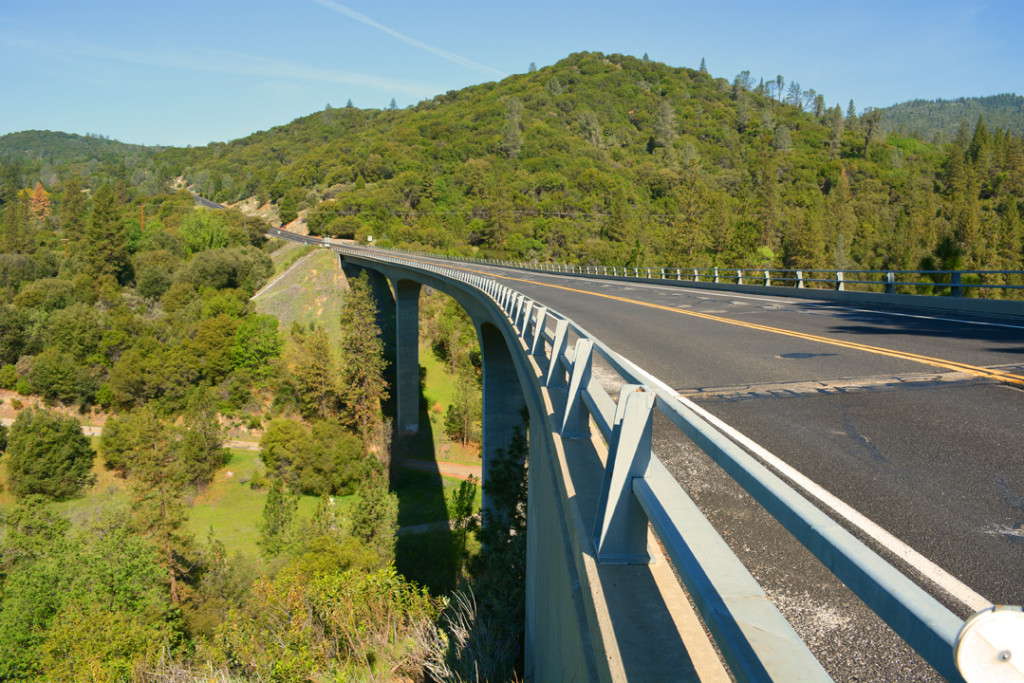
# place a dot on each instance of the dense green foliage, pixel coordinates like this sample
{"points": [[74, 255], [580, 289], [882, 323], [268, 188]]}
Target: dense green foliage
{"points": [[607, 159], [79, 603], [48, 456], [145, 311], [322, 459], [52, 157]]}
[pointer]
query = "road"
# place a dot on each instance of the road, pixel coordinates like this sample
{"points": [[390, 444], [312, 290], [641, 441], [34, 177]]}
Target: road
{"points": [[915, 421]]}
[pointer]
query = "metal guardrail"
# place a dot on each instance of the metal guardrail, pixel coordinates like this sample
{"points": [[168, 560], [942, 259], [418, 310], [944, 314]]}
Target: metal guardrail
{"points": [[955, 283], [756, 641]]}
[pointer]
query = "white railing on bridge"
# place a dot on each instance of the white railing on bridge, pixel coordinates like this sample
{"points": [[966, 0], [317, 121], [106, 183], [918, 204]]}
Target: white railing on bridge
{"points": [[955, 283]]}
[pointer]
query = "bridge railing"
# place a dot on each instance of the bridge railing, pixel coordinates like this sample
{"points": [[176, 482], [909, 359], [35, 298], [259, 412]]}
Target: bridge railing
{"points": [[754, 638], [955, 283]]}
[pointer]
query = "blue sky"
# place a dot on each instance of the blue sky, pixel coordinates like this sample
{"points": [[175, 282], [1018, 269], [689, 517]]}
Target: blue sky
{"points": [[190, 72]]}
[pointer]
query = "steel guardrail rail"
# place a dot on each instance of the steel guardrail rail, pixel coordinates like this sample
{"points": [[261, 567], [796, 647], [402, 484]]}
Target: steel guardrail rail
{"points": [[888, 281]]}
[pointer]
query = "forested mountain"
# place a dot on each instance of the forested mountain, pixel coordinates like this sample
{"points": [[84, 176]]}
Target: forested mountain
{"points": [[48, 157], [942, 120], [613, 159]]}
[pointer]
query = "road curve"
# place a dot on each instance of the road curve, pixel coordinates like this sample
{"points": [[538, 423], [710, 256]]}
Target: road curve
{"points": [[915, 421]]}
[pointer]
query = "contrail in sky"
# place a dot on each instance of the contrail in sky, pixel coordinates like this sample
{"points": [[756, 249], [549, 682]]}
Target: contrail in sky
{"points": [[444, 54]]}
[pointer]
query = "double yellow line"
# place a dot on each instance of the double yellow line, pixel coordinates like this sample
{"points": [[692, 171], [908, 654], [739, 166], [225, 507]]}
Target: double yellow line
{"points": [[977, 371]]}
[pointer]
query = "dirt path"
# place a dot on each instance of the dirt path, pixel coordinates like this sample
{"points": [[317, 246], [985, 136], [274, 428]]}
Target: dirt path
{"points": [[448, 469]]}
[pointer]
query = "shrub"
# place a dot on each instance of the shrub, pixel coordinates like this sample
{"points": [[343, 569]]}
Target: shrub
{"points": [[48, 455]]}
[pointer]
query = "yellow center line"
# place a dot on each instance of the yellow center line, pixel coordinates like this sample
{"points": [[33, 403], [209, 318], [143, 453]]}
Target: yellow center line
{"points": [[955, 366]]}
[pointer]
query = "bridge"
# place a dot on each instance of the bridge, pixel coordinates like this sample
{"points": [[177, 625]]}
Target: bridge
{"points": [[827, 488]]}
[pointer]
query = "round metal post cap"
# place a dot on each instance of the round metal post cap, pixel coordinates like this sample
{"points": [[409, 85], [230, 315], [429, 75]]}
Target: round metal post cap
{"points": [[990, 646]]}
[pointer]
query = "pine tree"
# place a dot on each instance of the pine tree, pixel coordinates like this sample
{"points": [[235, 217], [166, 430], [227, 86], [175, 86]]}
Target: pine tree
{"points": [[362, 363], [375, 519], [665, 125], [157, 488], [278, 519], [105, 243], [315, 375], [39, 208], [71, 214], [511, 133]]}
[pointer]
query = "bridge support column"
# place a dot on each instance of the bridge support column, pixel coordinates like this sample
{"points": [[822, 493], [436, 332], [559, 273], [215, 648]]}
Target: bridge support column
{"points": [[503, 402], [407, 355]]}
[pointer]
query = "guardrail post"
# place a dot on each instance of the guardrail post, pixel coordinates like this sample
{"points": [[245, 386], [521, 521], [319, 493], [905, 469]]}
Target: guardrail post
{"points": [[516, 305], [890, 282], [679, 274], [648, 273], [839, 281], [575, 422], [526, 318], [716, 276], [620, 527], [538, 330], [555, 378], [799, 279], [956, 284], [739, 276], [696, 275], [767, 278]]}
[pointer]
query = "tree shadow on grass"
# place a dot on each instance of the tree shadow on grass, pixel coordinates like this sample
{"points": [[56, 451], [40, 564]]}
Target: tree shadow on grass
{"points": [[425, 556]]}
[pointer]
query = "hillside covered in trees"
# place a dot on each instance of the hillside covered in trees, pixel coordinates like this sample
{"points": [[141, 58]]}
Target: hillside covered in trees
{"points": [[612, 159]]}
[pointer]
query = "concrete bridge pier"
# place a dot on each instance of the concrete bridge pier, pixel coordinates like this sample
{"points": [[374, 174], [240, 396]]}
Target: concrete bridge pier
{"points": [[407, 355], [503, 403]]}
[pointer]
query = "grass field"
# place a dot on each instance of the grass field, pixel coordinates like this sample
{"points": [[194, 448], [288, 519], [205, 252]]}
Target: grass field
{"points": [[439, 393], [309, 292]]}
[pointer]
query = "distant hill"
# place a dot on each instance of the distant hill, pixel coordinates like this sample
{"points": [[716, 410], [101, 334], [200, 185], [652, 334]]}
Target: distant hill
{"points": [[618, 160], [612, 159], [939, 120], [50, 157]]}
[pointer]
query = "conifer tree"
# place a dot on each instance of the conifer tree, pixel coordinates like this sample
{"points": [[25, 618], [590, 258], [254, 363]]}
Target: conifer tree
{"points": [[104, 246], [315, 375], [362, 362], [71, 213], [39, 208], [157, 485], [511, 134], [278, 518]]}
